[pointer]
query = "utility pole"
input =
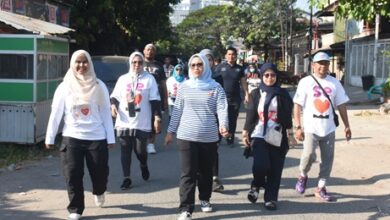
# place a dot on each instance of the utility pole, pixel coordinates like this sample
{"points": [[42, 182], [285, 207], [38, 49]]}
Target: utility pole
{"points": [[291, 32], [377, 20], [310, 36]]}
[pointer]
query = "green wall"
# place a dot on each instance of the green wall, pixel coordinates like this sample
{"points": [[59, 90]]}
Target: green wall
{"points": [[45, 90], [53, 46], [16, 91], [20, 44]]}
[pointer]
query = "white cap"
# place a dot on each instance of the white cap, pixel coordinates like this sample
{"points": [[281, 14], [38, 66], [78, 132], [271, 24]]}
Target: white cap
{"points": [[320, 56]]}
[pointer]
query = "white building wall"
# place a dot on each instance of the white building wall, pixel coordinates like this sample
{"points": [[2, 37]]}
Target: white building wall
{"points": [[181, 10]]}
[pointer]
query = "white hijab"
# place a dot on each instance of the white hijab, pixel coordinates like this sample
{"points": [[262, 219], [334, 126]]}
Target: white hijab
{"points": [[132, 56], [85, 87]]}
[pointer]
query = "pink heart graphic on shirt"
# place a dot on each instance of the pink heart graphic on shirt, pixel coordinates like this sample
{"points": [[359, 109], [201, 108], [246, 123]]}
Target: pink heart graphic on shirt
{"points": [[321, 106], [85, 111]]}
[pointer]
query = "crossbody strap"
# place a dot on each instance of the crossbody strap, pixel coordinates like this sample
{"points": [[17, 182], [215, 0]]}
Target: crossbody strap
{"points": [[326, 94]]}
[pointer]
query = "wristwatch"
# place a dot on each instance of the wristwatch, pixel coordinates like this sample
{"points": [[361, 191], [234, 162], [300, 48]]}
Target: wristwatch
{"points": [[297, 127]]}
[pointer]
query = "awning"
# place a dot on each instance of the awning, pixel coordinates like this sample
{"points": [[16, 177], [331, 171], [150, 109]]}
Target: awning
{"points": [[33, 25]]}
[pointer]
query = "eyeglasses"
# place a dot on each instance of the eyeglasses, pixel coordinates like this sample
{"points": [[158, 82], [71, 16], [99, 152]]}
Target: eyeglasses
{"points": [[178, 69], [135, 62], [267, 75], [193, 65]]}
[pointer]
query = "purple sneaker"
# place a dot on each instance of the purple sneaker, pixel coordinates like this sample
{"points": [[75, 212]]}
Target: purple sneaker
{"points": [[301, 184], [323, 195]]}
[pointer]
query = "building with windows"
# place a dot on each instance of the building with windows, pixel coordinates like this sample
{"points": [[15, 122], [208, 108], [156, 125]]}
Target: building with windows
{"points": [[185, 7]]}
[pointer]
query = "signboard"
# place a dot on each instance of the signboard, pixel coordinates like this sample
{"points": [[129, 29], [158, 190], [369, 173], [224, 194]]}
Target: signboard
{"points": [[6, 5], [20, 7], [52, 13]]}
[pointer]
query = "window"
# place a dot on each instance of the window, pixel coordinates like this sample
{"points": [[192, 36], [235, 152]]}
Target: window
{"points": [[16, 66]]}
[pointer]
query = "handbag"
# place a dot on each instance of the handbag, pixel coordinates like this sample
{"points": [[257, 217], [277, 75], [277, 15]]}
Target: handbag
{"points": [[335, 116], [274, 135]]}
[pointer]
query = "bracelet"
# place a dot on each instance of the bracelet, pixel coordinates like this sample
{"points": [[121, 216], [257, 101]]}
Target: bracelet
{"points": [[297, 127]]}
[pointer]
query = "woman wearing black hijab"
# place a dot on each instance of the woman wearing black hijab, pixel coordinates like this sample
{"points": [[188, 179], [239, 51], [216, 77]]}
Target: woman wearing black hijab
{"points": [[269, 106]]}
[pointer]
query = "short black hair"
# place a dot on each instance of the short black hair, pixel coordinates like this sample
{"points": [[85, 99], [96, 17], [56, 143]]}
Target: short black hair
{"points": [[232, 49]]}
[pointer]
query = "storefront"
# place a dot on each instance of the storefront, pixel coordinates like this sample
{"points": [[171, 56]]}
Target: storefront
{"points": [[31, 67]]}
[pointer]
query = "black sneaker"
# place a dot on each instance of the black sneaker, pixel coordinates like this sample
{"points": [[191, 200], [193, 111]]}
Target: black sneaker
{"points": [[126, 184], [217, 186], [145, 172], [230, 140], [271, 205], [205, 206], [253, 194]]}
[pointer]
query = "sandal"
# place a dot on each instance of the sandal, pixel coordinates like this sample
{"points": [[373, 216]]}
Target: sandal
{"points": [[271, 205]]}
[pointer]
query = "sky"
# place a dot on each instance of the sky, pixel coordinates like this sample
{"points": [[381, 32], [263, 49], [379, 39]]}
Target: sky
{"points": [[303, 4]]}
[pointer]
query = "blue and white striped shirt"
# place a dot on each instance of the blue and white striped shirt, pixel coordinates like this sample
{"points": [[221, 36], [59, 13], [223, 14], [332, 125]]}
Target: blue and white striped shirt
{"points": [[194, 115]]}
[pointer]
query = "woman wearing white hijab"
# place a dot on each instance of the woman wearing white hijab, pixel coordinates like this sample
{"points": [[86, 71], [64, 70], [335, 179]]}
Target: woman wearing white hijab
{"points": [[135, 100], [88, 131], [199, 101]]}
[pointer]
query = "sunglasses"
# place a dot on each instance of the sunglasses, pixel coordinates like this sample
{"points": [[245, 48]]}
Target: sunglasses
{"points": [[134, 62], [267, 75], [193, 65]]}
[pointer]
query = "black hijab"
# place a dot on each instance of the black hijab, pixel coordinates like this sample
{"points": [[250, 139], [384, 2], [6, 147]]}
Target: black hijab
{"points": [[271, 91]]}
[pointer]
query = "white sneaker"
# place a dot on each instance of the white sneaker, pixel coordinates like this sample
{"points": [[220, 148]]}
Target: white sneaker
{"points": [[74, 216], [205, 206], [99, 200], [150, 149], [185, 216]]}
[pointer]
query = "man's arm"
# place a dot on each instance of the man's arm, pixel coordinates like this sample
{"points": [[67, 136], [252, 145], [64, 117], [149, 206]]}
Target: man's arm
{"points": [[165, 92], [244, 86], [299, 135], [344, 116]]}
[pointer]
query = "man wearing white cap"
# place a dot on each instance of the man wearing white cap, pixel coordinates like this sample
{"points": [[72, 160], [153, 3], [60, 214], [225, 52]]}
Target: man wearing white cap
{"points": [[317, 96]]}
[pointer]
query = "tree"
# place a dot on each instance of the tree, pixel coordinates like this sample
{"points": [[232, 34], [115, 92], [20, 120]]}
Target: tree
{"points": [[359, 10], [201, 29], [261, 23], [144, 21], [120, 26]]}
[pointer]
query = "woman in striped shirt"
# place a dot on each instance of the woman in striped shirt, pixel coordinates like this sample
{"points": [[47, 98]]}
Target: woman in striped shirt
{"points": [[199, 101]]}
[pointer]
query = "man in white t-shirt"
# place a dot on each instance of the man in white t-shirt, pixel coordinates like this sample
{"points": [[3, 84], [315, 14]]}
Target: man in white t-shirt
{"points": [[318, 127]]}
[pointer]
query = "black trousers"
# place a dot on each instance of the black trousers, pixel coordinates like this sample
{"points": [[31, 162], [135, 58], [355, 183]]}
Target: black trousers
{"points": [[216, 163], [233, 111], [267, 168], [128, 143], [196, 169], [73, 154]]}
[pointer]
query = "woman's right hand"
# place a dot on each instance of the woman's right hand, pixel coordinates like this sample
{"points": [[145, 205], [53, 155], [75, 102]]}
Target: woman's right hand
{"points": [[114, 111], [245, 138], [49, 146], [168, 139], [299, 135]]}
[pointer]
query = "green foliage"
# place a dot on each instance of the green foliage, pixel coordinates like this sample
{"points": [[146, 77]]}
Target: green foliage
{"points": [[358, 9], [262, 22], [257, 22], [386, 85], [201, 29], [13, 153], [386, 88], [120, 26]]}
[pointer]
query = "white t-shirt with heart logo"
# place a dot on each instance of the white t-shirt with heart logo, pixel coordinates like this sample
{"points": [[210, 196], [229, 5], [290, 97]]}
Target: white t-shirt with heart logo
{"points": [[82, 121], [317, 110]]}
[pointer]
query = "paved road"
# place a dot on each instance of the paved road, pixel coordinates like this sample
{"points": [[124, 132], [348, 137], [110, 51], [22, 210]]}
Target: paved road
{"points": [[361, 184]]}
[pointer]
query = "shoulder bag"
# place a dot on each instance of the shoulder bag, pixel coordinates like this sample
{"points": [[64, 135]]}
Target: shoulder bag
{"points": [[274, 135]]}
